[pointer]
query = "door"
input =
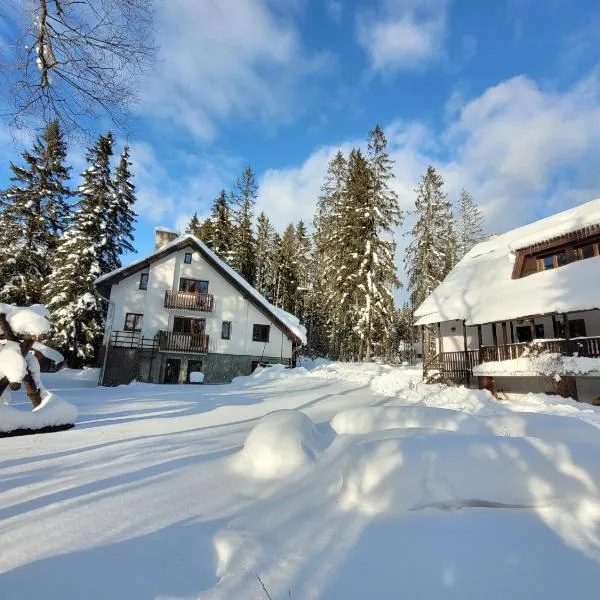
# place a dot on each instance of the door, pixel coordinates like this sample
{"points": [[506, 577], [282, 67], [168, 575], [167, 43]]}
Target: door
{"points": [[172, 367], [194, 366]]}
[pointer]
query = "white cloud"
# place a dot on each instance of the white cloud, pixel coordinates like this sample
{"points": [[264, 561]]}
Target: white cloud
{"points": [[334, 9], [226, 59], [403, 35]]}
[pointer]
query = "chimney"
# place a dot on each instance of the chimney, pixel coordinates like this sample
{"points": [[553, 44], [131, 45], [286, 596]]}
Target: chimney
{"points": [[162, 236]]}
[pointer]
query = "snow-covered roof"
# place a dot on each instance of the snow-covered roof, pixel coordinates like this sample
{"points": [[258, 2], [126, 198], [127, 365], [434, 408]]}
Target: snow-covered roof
{"points": [[289, 321], [480, 288]]}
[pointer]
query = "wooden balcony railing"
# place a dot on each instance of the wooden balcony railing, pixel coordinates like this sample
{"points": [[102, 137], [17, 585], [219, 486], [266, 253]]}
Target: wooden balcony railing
{"points": [[189, 301], [191, 343]]}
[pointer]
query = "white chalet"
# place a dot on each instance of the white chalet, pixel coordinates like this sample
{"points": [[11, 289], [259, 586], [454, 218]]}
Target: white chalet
{"points": [[182, 310], [520, 311]]}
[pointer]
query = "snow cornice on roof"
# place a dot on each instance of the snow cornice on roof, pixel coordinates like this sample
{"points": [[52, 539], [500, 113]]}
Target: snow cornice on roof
{"points": [[480, 289], [289, 323]]}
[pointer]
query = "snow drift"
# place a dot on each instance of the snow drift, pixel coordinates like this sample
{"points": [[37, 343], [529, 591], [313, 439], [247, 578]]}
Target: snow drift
{"points": [[52, 412], [370, 419], [280, 444]]}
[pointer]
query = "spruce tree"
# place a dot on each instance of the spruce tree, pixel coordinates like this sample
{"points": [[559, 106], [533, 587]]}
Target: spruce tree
{"points": [[303, 271], [265, 234], [221, 228], [469, 226], [326, 302], [84, 253], [34, 213], [120, 218], [432, 251], [194, 225], [243, 258], [377, 213], [286, 275]]}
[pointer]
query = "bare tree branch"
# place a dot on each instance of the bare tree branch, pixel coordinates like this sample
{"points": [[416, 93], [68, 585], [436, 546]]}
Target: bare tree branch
{"points": [[75, 59]]}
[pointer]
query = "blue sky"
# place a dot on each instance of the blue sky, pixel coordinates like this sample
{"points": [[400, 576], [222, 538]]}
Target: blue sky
{"points": [[502, 96]]}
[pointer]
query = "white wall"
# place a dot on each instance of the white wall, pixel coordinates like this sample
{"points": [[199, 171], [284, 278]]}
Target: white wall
{"points": [[229, 305]]}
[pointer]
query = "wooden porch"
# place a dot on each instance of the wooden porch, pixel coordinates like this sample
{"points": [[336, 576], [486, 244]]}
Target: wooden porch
{"points": [[189, 301], [458, 366]]}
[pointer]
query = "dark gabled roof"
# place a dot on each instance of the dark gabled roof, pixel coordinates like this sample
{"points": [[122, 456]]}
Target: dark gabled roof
{"points": [[288, 323]]}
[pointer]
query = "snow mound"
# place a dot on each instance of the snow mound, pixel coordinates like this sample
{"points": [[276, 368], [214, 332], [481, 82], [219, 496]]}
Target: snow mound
{"points": [[51, 412], [418, 470], [280, 444], [314, 363], [371, 419], [269, 373]]}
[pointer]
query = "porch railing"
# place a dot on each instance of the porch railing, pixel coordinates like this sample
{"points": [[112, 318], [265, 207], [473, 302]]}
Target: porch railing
{"points": [[453, 365], [191, 343], [189, 301]]}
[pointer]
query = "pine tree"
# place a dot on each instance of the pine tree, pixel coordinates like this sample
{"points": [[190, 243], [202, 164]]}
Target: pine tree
{"points": [[286, 274], [265, 234], [194, 225], [120, 218], [221, 228], [243, 243], [34, 215], [327, 312], [84, 253], [469, 227], [303, 270], [377, 214], [430, 253]]}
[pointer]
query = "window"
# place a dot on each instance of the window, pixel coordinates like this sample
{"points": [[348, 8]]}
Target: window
{"points": [[186, 325], [193, 285], [586, 251], [539, 331], [226, 330], [194, 366], [144, 281], [260, 333], [187, 259], [548, 263], [133, 321], [577, 328]]}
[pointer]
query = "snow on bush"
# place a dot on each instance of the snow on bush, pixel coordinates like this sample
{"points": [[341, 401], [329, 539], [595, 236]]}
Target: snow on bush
{"points": [[32, 321], [50, 353], [447, 470], [51, 412], [12, 363], [280, 444], [379, 418]]}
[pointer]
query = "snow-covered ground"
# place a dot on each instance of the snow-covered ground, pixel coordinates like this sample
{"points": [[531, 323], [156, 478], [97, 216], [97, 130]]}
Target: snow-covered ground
{"points": [[363, 484]]}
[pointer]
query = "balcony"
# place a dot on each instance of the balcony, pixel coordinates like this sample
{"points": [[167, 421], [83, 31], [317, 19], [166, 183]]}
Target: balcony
{"points": [[188, 343], [189, 301]]}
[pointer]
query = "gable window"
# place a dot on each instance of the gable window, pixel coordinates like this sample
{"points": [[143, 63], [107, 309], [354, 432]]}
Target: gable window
{"points": [[187, 259], [133, 321], [196, 286], [577, 328], [226, 330], [260, 333], [144, 281]]}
